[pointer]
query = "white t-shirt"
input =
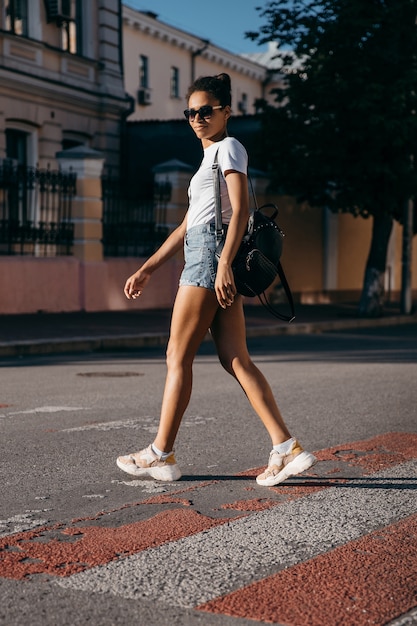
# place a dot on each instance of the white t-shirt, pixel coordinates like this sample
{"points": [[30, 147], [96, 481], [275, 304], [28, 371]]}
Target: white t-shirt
{"points": [[231, 156]]}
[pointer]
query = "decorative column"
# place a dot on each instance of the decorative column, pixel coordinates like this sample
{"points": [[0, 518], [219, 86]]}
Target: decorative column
{"points": [[87, 205]]}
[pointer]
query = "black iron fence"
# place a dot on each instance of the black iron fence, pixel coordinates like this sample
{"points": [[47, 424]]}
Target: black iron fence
{"points": [[133, 224], [35, 210]]}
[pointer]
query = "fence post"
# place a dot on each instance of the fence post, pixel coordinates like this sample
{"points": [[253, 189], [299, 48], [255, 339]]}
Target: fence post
{"points": [[87, 205]]}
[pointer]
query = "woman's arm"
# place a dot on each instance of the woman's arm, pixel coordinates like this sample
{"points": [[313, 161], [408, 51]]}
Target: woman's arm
{"points": [[136, 283], [237, 188]]}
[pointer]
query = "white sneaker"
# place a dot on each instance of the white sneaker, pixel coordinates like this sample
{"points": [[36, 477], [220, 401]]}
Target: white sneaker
{"points": [[147, 463], [282, 466]]}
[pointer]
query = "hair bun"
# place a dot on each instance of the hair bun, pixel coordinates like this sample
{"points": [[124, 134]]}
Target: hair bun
{"points": [[225, 79], [220, 87]]}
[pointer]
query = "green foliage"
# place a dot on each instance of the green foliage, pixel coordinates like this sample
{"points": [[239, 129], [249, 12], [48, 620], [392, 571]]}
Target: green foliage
{"points": [[345, 129]]}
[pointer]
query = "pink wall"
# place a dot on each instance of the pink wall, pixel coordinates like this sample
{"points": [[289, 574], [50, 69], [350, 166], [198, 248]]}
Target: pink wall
{"points": [[65, 284]]}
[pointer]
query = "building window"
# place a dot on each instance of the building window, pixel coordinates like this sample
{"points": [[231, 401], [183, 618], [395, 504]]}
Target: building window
{"points": [[175, 83], [16, 145], [70, 22], [17, 17], [66, 14], [143, 71], [243, 104], [17, 152]]}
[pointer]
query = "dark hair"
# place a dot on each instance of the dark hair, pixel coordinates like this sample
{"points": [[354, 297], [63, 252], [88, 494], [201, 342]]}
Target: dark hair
{"points": [[219, 87]]}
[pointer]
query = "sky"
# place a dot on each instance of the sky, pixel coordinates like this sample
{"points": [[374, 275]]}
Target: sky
{"points": [[222, 22]]}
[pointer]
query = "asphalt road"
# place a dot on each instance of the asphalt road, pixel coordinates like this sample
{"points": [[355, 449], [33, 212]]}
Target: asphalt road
{"points": [[81, 542]]}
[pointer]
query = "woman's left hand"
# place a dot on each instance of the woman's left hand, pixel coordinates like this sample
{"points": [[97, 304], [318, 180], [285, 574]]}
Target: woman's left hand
{"points": [[224, 286]]}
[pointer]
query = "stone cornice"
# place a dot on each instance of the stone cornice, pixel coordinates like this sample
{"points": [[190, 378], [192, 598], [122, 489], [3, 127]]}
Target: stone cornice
{"points": [[31, 87]]}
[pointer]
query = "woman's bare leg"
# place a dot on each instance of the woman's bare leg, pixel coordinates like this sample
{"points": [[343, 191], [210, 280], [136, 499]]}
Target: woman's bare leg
{"points": [[192, 316], [229, 333]]}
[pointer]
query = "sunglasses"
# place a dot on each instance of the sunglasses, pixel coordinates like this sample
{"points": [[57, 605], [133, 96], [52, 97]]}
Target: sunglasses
{"points": [[204, 112]]}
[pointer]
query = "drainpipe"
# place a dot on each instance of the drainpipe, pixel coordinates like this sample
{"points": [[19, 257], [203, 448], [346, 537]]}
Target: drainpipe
{"points": [[195, 54]]}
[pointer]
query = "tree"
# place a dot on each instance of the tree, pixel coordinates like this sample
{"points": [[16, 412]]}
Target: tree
{"points": [[345, 131]]}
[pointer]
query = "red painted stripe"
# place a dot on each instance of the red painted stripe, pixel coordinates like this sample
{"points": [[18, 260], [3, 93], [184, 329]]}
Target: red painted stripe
{"points": [[370, 455], [368, 581], [376, 454], [50, 550], [75, 549]]}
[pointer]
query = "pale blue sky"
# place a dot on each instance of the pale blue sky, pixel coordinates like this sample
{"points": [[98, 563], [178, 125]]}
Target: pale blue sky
{"points": [[223, 22]]}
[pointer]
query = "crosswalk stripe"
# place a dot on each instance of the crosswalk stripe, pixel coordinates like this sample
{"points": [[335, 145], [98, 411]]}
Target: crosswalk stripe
{"points": [[199, 568], [341, 540], [368, 581]]}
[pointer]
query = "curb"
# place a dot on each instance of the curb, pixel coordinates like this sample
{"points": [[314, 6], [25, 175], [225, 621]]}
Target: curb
{"points": [[157, 339], [310, 328]]}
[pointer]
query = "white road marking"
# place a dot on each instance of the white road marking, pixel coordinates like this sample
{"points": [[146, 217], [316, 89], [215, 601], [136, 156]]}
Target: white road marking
{"points": [[22, 522], [114, 425], [94, 496], [48, 409], [144, 422], [147, 486], [407, 620]]}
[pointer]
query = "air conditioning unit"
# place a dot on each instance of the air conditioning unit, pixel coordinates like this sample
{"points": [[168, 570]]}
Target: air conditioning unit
{"points": [[58, 10], [144, 96]]}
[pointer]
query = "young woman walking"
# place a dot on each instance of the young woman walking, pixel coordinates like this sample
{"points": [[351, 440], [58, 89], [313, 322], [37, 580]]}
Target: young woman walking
{"points": [[207, 297]]}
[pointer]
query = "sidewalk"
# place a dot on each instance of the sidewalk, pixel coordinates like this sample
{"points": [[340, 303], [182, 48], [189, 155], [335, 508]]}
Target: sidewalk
{"points": [[46, 333]]}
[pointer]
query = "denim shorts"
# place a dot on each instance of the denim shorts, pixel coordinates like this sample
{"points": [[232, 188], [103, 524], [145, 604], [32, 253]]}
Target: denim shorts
{"points": [[199, 248]]}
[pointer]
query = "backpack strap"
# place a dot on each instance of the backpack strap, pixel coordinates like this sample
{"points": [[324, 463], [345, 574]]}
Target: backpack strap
{"points": [[268, 306], [217, 199]]}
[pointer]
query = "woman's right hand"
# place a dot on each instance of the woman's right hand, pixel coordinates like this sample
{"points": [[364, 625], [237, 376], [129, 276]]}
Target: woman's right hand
{"points": [[224, 286], [136, 283]]}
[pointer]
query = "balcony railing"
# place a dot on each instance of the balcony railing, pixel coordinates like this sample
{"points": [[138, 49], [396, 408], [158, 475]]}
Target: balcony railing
{"points": [[35, 210]]}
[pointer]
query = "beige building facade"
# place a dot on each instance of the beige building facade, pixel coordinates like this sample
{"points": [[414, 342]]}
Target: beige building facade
{"points": [[162, 61], [61, 79]]}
